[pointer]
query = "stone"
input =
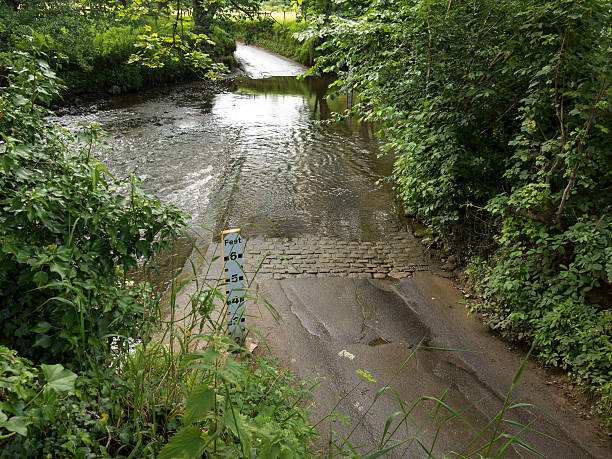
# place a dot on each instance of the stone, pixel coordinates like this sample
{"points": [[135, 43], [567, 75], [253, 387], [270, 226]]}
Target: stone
{"points": [[451, 263], [310, 256], [420, 231]]}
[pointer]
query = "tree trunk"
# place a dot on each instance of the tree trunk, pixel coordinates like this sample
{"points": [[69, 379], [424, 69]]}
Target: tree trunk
{"points": [[198, 13], [203, 14]]}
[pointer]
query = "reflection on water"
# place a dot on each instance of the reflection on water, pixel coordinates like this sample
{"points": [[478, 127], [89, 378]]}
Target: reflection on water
{"points": [[250, 151]]}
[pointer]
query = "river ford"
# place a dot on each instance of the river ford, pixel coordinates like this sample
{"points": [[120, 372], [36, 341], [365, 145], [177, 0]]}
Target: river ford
{"points": [[353, 289], [251, 151]]}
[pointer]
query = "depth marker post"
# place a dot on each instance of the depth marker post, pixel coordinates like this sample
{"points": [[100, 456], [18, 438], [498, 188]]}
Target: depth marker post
{"points": [[233, 275]]}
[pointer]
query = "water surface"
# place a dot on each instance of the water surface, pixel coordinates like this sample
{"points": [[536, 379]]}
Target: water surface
{"points": [[251, 150]]}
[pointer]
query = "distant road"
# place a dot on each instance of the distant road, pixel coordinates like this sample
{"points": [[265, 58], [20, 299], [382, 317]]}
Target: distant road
{"points": [[260, 63]]}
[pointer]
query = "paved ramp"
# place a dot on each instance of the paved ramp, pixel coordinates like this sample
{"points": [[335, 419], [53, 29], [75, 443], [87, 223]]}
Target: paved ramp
{"points": [[259, 63], [309, 256], [381, 323], [329, 300]]}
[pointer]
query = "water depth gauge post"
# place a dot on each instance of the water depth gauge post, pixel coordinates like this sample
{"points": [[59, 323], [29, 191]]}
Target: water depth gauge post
{"points": [[233, 272]]}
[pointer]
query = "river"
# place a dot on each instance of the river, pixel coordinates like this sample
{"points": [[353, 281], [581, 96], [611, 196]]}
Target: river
{"points": [[251, 150]]}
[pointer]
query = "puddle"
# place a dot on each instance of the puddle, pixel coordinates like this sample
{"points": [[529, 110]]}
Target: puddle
{"points": [[378, 342]]}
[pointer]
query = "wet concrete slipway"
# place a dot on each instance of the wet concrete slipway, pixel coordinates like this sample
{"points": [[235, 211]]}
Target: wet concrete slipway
{"points": [[335, 260]]}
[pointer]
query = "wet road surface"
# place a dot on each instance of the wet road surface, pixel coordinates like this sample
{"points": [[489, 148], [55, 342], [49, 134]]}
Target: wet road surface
{"points": [[259, 63], [381, 323]]}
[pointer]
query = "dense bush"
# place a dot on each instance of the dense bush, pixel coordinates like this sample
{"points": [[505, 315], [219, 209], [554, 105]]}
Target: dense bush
{"points": [[97, 44], [67, 237], [47, 411], [499, 115], [60, 26], [155, 396]]}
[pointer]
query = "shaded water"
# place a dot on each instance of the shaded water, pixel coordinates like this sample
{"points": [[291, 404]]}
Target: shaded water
{"points": [[250, 151]]}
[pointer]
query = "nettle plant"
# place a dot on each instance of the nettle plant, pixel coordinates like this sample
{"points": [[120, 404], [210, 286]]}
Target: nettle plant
{"points": [[30, 397], [240, 409], [67, 237]]}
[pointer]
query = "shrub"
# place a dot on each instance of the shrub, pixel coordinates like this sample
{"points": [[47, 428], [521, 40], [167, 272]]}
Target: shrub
{"points": [[67, 237]]}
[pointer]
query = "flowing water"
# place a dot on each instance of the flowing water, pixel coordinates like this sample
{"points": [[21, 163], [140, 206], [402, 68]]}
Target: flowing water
{"points": [[252, 151]]}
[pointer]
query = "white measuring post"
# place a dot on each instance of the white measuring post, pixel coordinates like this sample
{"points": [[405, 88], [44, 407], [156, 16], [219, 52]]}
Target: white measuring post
{"points": [[233, 274]]}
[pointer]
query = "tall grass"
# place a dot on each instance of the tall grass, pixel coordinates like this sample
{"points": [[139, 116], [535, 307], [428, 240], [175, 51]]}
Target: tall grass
{"points": [[214, 398], [487, 441]]}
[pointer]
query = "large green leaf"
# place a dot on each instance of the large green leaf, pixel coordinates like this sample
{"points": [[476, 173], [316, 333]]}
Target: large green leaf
{"points": [[58, 378], [236, 422], [185, 444], [201, 400], [233, 372], [19, 100], [42, 326], [206, 357], [16, 424]]}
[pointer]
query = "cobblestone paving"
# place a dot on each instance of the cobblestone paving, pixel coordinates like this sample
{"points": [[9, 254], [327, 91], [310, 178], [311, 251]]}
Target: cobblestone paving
{"points": [[398, 255]]}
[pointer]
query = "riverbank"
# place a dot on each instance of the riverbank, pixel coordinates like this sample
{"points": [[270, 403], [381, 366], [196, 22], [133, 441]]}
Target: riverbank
{"points": [[101, 50]]}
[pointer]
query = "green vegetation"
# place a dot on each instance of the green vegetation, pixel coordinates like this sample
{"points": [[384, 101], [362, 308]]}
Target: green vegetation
{"points": [[277, 5], [78, 230], [119, 45], [499, 115]]}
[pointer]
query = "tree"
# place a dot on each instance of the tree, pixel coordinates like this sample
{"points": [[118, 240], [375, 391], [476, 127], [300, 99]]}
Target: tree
{"points": [[204, 11]]}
